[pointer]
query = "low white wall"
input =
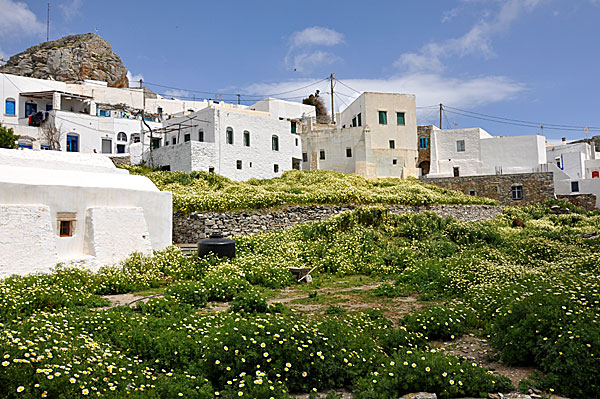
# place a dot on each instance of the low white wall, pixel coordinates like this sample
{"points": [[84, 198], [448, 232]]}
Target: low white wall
{"points": [[27, 239]]}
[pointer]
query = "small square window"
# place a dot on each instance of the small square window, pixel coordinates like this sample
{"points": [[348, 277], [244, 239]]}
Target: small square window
{"points": [[392, 144], [239, 164], [383, 117], [394, 162], [516, 192], [304, 157], [65, 228], [354, 122], [460, 145], [348, 152], [400, 118], [187, 137], [174, 141], [201, 135], [211, 169], [456, 171], [275, 143], [276, 168], [575, 186], [423, 143], [472, 192], [293, 126], [166, 143], [322, 154], [247, 138], [359, 119]]}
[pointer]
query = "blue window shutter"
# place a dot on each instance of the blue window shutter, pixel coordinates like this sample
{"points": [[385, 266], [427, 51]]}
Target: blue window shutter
{"points": [[10, 107]]}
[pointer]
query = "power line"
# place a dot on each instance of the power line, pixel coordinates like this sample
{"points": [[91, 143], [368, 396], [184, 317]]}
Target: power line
{"points": [[348, 86], [535, 124]]}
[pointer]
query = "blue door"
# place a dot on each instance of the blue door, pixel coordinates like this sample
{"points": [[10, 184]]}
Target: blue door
{"points": [[30, 109], [72, 143]]}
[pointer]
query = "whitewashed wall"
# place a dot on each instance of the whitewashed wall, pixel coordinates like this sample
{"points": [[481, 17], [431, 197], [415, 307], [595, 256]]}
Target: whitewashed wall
{"points": [[512, 154]]}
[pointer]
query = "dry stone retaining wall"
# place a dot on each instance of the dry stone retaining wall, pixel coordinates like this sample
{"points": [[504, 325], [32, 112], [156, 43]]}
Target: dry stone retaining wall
{"points": [[189, 229]]}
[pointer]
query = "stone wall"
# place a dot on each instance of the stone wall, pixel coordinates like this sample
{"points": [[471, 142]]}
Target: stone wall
{"points": [[121, 159], [537, 187], [188, 229], [586, 201]]}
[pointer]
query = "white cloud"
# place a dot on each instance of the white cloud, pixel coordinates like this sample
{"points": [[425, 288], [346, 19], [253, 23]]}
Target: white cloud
{"points": [[134, 80], [478, 40], [308, 61], [302, 55], [18, 20], [176, 93], [430, 89], [316, 35], [70, 9]]}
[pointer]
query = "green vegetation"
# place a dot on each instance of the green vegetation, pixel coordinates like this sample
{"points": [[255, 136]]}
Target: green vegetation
{"points": [[7, 138], [533, 292], [203, 191]]}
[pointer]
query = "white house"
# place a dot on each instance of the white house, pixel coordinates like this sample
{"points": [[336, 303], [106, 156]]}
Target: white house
{"points": [[75, 208], [375, 136], [90, 116], [474, 152], [576, 168], [235, 141]]}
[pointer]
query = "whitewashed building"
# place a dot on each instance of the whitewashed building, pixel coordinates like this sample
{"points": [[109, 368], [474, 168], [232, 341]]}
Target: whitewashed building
{"points": [[375, 136], [75, 209], [90, 116], [576, 168], [475, 152], [235, 141]]}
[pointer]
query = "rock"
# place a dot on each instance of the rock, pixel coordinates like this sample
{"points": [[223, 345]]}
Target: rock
{"points": [[419, 395], [70, 59]]}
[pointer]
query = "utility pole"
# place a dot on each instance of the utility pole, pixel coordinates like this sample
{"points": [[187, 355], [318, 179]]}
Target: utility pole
{"points": [[239, 99], [48, 24], [144, 123], [331, 77], [441, 110]]}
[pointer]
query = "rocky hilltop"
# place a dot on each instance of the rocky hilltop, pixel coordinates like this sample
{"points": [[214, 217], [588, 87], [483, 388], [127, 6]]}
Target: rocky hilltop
{"points": [[70, 58]]}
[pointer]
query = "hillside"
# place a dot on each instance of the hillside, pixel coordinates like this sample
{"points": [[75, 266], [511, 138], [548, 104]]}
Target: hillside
{"points": [[201, 191]]}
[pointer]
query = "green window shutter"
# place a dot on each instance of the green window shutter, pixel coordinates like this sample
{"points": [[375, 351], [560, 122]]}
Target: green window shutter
{"points": [[400, 118], [383, 117], [293, 127]]}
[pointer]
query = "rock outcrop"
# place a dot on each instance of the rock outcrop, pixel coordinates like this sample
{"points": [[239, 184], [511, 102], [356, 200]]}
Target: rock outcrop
{"points": [[70, 58]]}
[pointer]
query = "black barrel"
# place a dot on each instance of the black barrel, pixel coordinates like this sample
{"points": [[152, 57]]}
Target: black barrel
{"points": [[221, 247]]}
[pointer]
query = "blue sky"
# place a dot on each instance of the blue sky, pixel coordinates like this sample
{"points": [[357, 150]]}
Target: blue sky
{"points": [[529, 60]]}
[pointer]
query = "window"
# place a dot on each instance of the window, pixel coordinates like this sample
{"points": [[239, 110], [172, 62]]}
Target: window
{"points": [[392, 144], [166, 143], [558, 164], [156, 143], [304, 157], [400, 118], [293, 126], [103, 113], [383, 117], [45, 147], [135, 138], [211, 169], [238, 164], [296, 141], [120, 148], [66, 223], [30, 109], [472, 192], [595, 174], [322, 154], [275, 143], [174, 141], [276, 168], [250, 164], [121, 136], [354, 122], [48, 107], [229, 136], [187, 137], [201, 135], [359, 119], [574, 186], [394, 162], [456, 171], [423, 142], [516, 192], [246, 138], [348, 152], [460, 145], [9, 107], [72, 143]]}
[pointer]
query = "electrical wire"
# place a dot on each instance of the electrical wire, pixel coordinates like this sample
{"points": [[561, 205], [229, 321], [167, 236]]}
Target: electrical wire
{"points": [[348, 86]]}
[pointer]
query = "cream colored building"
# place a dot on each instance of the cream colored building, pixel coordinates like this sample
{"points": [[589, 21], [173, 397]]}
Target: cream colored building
{"points": [[375, 136]]}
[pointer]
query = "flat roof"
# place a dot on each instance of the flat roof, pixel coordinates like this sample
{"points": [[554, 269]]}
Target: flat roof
{"points": [[49, 93]]}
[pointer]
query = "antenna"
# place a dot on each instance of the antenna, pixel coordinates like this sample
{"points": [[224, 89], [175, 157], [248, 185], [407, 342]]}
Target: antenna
{"points": [[48, 24]]}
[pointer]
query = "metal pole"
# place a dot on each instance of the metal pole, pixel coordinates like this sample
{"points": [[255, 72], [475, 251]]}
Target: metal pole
{"points": [[48, 24], [441, 110]]}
